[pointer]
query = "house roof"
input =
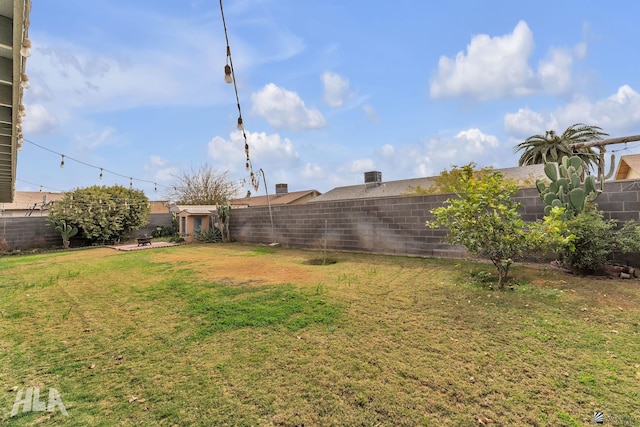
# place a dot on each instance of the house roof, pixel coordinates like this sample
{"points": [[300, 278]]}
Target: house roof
{"points": [[25, 200], [194, 209], [407, 186], [290, 198], [14, 16], [627, 166]]}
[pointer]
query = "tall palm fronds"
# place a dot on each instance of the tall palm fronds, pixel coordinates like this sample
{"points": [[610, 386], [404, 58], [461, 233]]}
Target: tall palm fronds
{"points": [[552, 147]]}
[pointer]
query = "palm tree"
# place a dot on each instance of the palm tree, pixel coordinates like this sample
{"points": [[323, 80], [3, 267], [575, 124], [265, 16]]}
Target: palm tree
{"points": [[553, 147]]}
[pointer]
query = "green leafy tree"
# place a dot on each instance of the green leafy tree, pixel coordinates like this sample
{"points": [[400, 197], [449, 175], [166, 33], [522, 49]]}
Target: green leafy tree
{"points": [[101, 214], [551, 147], [449, 180], [484, 219]]}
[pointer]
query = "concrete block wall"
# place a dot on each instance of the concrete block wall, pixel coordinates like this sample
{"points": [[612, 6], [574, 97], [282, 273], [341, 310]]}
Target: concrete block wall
{"points": [[393, 225], [34, 232], [28, 233]]}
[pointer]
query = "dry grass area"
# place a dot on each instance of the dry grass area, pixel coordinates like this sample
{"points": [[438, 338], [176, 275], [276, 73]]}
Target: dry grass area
{"points": [[253, 336]]}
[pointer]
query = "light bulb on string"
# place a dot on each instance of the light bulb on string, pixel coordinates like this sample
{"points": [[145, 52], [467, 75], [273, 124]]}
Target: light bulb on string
{"points": [[25, 50], [24, 81], [130, 183], [227, 74], [100, 177], [62, 161], [240, 125], [155, 187]]}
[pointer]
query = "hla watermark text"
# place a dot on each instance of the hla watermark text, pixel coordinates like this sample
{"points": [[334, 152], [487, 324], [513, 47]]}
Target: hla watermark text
{"points": [[32, 402]]}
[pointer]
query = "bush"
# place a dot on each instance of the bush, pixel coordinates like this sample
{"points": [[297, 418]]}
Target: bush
{"points": [[212, 235], [588, 238], [163, 231]]}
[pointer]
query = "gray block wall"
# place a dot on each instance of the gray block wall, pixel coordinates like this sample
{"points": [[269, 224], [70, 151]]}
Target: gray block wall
{"points": [[392, 225], [34, 232], [28, 233]]}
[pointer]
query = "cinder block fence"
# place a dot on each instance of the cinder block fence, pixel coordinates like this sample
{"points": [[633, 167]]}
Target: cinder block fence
{"points": [[390, 225]]}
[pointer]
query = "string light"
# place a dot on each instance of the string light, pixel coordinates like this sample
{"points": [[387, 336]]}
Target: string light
{"points": [[24, 81], [130, 183], [230, 77], [227, 74], [102, 169], [25, 50]]}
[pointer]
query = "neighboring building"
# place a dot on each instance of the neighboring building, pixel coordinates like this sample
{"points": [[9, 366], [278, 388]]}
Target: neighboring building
{"points": [[374, 187], [29, 203], [158, 207], [628, 168], [281, 197]]}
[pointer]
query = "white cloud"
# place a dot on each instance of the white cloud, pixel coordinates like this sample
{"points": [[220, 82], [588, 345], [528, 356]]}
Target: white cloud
{"points": [[92, 140], [492, 67], [618, 113], [312, 171], [371, 113], [554, 72], [285, 109], [267, 151], [387, 150], [39, 120], [498, 67], [336, 88], [475, 141], [362, 165], [157, 160], [526, 122], [438, 153]]}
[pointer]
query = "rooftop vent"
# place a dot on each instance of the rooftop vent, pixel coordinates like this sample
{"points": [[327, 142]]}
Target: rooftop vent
{"points": [[282, 189], [372, 178]]}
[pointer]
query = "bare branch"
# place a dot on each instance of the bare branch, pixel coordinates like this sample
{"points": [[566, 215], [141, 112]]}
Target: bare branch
{"points": [[602, 142], [204, 186]]}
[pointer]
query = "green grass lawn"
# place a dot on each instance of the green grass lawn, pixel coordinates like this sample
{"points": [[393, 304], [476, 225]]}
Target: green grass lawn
{"points": [[253, 336]]}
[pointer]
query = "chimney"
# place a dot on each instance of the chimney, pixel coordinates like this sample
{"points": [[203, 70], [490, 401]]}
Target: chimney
{"points": [[282, 189], [372, 179]]}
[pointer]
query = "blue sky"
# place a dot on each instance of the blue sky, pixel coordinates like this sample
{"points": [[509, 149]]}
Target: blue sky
{"points": [[329, 89]]}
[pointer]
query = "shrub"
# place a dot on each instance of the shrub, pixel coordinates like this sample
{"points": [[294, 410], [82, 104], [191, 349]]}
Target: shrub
{"points": [[213, 235], [588, 238], [485, 220]]}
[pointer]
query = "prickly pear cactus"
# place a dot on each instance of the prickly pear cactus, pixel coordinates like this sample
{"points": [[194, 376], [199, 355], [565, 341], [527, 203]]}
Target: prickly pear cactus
{"points": [[566, 187]]}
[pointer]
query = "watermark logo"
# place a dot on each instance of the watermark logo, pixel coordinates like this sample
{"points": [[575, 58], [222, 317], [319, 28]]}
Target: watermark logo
{"points": [[598, 417], [31, 401]]}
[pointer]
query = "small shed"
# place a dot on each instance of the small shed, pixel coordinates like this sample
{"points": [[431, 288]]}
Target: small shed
{"points": [[194, 219]]}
